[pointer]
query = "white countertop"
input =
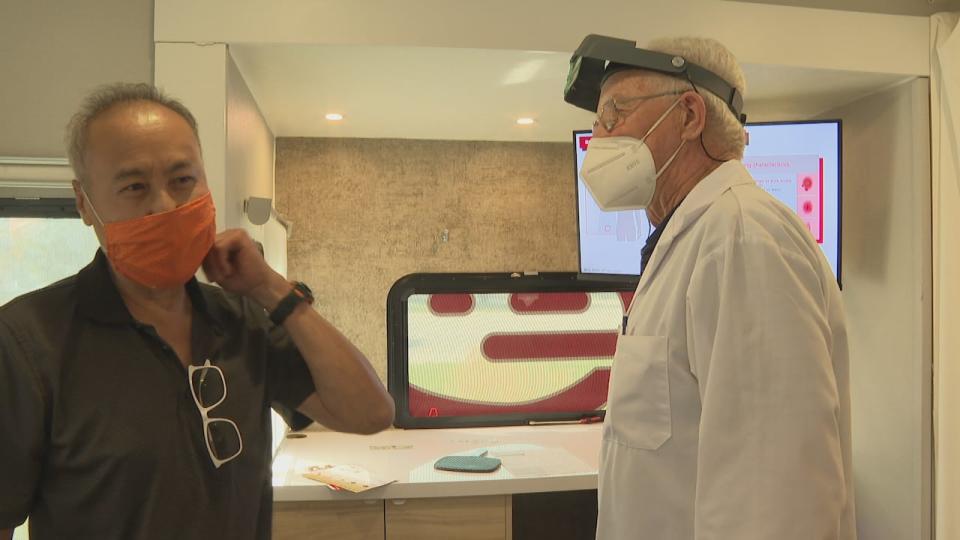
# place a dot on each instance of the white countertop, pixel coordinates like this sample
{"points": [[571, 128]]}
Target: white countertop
{"points": [[535, 459]]}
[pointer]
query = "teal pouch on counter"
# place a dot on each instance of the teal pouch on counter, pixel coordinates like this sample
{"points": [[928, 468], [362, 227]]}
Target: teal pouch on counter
{"points": [[479, 464]]}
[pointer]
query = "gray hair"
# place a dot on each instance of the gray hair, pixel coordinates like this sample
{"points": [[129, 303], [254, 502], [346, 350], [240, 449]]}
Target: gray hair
{"points": [[106, 97], [723, 134]]}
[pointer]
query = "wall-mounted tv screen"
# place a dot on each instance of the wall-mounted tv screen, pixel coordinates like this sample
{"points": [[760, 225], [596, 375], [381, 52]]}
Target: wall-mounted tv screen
{"points": [[796, 162]]}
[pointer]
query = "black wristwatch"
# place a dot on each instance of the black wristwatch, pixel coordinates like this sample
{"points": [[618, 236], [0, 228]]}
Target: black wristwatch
{"points": [[300, 293]]}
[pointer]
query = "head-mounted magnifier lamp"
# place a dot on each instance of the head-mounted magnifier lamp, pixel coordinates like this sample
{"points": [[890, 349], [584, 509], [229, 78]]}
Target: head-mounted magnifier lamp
{"points": [[598, 57]]}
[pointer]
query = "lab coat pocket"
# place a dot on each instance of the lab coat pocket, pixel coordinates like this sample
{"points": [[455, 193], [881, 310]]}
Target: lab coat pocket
{"points": [[638, 404]]}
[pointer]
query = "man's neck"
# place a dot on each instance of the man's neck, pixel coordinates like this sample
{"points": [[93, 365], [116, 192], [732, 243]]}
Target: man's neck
{"points": [[154, 306], [676, 183]]}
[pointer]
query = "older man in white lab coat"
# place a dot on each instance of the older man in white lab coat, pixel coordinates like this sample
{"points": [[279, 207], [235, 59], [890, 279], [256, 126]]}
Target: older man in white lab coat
{"points": [[729, 408]]}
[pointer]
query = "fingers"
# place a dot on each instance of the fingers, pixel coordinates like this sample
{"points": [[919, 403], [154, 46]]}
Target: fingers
{"points": [[216, 265], [225, 247], [212, 267], [221, 262], [208, 272]]}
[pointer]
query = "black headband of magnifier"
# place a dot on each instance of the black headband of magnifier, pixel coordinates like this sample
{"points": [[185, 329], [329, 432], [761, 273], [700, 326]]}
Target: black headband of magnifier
{"points": [[598, 57]]}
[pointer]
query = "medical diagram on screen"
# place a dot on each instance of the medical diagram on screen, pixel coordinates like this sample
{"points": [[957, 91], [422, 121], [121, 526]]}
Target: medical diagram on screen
{"points": [[798, 163]]}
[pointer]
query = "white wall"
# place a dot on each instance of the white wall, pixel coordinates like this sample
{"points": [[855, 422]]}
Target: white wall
{"points": [[887, 277], [945, 93], [756, 33], [53, 53], [237, 144], [250, 153], [197, 76]]}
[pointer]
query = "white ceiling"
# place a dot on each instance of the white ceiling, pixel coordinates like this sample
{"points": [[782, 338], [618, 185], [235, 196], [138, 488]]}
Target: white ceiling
{"points": [[477, 94]]}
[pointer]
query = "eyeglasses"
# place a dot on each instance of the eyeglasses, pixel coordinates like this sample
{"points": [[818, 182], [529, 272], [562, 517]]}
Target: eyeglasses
{"points": [[613, 110], [209, 389]]}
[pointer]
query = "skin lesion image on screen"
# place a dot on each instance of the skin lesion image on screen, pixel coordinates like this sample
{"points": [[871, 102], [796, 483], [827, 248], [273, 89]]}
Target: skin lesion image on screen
{"points": [[501, 353]]}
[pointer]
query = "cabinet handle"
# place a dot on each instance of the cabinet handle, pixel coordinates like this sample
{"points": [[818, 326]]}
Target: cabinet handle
{"points": [[399, 502]]}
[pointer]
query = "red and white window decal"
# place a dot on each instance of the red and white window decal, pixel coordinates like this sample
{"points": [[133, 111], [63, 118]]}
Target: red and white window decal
{"points": [[486, 354]]}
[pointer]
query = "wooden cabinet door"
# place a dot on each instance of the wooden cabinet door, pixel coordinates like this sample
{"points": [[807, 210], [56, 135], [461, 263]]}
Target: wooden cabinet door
{"points": [[462, 518], [347, 520]]}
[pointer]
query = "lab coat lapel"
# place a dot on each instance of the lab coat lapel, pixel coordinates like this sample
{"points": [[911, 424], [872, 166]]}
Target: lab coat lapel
{"points": [[704, 194]]}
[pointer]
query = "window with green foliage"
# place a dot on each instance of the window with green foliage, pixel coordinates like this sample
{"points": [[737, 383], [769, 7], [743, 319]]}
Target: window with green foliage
{"points": [[41, 242]]}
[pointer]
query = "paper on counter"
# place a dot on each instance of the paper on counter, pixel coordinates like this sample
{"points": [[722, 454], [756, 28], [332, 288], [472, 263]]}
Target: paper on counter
{"points": [[540, 462], [349, 477]]}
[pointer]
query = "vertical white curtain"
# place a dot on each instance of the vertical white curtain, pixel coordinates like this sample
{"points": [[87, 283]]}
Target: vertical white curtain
{"points": [[945, 155]]}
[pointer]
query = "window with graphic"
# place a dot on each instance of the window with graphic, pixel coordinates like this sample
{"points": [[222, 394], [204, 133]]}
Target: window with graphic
{"points": [[520, 354]]}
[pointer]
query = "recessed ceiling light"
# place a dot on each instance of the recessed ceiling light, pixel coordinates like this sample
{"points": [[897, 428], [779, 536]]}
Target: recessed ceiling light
{"points": [[334, 117], [525, 121]]}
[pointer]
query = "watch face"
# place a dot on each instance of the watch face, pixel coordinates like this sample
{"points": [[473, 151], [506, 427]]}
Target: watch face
{"points": [[305, 290]]}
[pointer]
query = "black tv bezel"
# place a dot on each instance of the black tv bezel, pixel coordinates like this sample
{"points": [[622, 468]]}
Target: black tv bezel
{"points": [[475, 283], [838, 122]]}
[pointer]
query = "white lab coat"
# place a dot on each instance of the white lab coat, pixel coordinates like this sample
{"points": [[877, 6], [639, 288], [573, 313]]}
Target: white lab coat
{"points": [[729, 409]]}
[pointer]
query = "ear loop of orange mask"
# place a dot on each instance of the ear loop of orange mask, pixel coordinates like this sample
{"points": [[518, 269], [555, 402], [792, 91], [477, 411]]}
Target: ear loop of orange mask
{"points": [[89, 202]]}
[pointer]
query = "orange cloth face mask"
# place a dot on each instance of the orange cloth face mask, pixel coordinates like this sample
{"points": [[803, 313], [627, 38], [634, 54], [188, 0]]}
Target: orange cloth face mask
{"points": [[165, 249]]}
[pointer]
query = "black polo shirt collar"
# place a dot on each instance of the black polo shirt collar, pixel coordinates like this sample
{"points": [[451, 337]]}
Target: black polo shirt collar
{"points": [[100, 300], [97, 295]]}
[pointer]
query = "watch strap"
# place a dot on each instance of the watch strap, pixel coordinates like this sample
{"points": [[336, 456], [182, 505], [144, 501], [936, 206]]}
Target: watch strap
{"points": [[299, 293]]}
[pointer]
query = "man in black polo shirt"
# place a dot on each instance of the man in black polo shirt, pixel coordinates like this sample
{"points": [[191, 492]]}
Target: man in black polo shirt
{"points": [[134, 401]]}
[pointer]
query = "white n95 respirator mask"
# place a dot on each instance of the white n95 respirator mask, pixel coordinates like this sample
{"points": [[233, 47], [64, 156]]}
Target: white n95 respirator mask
{"points": [[620, 173]]}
